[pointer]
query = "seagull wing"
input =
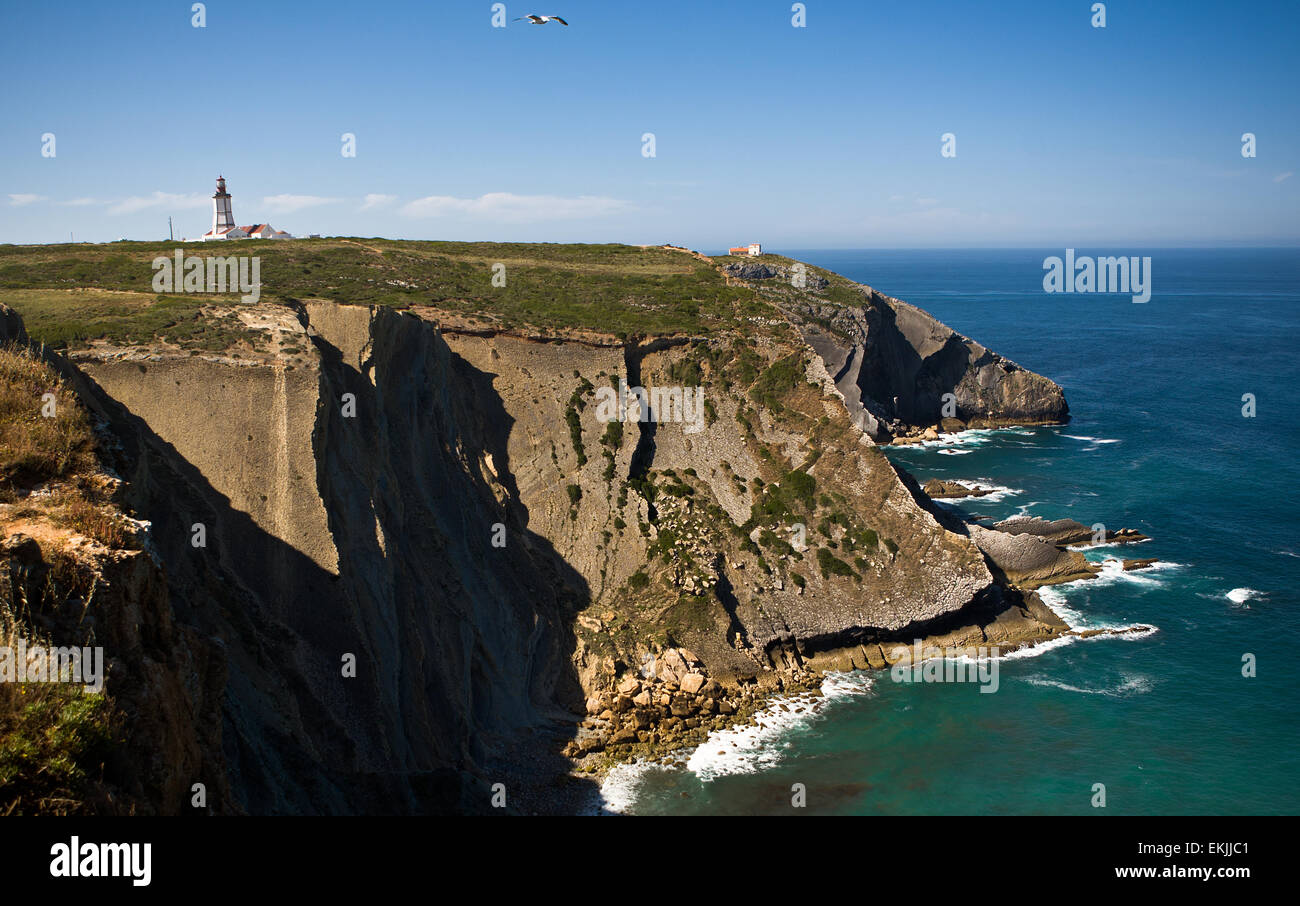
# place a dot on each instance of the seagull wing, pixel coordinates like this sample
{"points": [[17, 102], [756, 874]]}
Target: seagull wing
{"points": [[557, 19]]}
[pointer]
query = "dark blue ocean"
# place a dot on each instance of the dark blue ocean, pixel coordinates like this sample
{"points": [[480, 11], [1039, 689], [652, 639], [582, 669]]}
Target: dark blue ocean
{"points": [[1166, 721]]}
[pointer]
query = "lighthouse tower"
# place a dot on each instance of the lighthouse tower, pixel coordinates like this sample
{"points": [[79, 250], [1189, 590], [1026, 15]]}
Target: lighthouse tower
{"points": [[222, 218], [223, 221]]}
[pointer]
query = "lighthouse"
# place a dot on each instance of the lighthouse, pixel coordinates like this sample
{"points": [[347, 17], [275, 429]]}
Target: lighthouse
{"points": [[223, 221], [222, 218]]}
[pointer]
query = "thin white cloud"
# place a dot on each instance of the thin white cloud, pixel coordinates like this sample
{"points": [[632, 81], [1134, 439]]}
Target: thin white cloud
{"points": [[136, 203], [927, 202], [1281, 177], [287, 204], [78, 202], [377, 201], [24, 198], [510, 208]]}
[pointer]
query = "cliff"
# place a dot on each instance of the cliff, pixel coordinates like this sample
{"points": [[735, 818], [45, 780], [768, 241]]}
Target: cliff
{"points": [[430, 495], [897, 366]]}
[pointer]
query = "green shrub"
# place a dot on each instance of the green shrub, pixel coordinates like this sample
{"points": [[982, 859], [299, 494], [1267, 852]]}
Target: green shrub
{"points": [[831, 565]]}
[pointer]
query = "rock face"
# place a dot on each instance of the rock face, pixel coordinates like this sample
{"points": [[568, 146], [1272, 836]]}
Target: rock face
{"points": [[1028, 552], [1066, 531], [165, 679], [895, 363], [1030, 561], [372, 629], [753, 270], [11, 326], [423, 558]]}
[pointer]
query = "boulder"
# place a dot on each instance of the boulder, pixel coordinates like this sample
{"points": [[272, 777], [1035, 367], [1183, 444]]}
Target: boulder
{"points": [[672, 666], [692, 683], [682, 706], [938, 489], [1130, 565]]}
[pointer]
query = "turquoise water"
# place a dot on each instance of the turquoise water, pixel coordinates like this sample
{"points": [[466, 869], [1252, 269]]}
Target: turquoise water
{"points": [[1158, 442]]}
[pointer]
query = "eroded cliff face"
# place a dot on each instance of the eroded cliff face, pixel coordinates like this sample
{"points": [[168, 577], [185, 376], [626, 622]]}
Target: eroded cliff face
{"points": [[377, 643], [423, 554], [699, 569], [895, 363]]}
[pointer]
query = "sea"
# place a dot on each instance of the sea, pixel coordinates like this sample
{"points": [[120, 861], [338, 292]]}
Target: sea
{"points": [[1185, 426]]}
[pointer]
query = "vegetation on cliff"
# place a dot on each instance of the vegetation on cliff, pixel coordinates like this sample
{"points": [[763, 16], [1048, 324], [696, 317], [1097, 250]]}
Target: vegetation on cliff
{"points": [[616, 289], [55, 737]]}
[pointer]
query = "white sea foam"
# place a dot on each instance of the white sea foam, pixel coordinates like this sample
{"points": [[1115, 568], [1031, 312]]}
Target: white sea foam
{"points": [[1000, 491], [1042, 647], [1092, 440], [622, 784], [1129, 685], [1112, 571], [1055, 597], [973, 437], [1106, 545], [746, 749], [763, 744], [955, 452], [1239, 596]]}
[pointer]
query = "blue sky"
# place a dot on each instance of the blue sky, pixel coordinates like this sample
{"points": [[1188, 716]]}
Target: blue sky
{"points": [[824, 136]]}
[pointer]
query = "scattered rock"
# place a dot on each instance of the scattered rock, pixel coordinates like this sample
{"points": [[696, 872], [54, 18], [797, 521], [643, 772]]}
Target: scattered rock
{"points": [[692, 683], [1130, 565], [938, 489]]}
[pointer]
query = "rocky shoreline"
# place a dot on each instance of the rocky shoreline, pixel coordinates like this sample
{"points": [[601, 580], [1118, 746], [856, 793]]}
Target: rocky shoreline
{"points": [[663, 711]]}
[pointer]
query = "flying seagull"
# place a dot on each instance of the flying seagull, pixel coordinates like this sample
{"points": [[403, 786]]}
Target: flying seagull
{"points": [[542, 20]]}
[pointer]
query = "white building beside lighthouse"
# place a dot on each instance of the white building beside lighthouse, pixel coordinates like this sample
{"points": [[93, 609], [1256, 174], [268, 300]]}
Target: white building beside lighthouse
{"points": [[223, 221]]}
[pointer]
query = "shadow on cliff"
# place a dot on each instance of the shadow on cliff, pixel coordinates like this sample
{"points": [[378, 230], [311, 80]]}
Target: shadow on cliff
{"points": [[896, 376], [433, 664]]}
